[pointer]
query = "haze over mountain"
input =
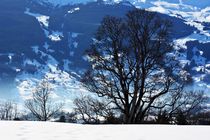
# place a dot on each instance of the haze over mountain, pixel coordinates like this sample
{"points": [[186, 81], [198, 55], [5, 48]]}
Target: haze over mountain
{"points": [[49, 37]]}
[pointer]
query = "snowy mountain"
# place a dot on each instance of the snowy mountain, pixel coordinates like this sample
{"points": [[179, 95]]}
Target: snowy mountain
{"points": [[193, 3], [48, 38]]}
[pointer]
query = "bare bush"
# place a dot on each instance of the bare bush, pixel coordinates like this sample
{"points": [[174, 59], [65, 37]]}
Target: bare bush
{"points": [[180, 107], [92, 110]]}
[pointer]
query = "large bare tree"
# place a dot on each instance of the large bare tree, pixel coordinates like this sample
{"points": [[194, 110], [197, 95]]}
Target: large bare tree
{"points": [[41, 105], [133, 63]]}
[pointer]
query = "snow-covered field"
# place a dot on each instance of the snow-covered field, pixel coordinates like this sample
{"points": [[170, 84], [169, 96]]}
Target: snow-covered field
{"points": [[65, 131]]}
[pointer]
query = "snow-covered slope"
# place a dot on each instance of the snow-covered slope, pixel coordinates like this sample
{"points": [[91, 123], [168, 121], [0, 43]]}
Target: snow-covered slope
{"points": [[194, 47], [195, 14], [47, 41], [64, 131]]}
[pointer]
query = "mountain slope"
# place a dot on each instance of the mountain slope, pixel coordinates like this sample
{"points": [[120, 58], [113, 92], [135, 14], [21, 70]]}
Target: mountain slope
{"points": [[38, 39]]}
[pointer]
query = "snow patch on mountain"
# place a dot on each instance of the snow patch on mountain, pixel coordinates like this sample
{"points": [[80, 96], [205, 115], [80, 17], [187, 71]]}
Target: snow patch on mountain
{"points": [[56, 36], [66, 64], [192, 16], [43, 19], [10, 56], [31, 63], [73, 10], [75, 44]]}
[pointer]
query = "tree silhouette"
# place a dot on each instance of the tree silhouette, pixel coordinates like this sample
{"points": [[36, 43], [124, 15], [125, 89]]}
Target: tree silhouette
{"points": [[132, 63], [41, 105]]}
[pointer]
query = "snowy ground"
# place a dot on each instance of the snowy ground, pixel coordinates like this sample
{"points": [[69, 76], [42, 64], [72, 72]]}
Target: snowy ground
{"points": [[65, 131]]}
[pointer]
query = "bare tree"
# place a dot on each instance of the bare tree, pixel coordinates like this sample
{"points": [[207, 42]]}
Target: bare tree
{"points": [[92, 110], [41, 105], [133, 63], [189, 103], [8, 110], [181, 103]]}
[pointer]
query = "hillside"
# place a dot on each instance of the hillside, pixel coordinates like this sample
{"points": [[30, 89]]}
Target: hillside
{"points": [[49, 37]]}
